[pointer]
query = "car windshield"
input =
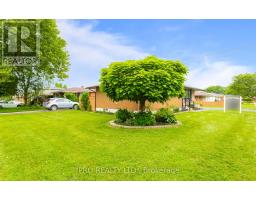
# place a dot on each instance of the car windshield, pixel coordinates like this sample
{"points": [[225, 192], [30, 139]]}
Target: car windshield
{"points": [[50, 99]]}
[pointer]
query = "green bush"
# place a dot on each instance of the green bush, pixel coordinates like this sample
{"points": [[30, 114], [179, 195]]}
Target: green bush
{"points": [[143, 119], [122, 115], [248, 100], [164, 115], [176, 109], [71, 96], [84, 101]]}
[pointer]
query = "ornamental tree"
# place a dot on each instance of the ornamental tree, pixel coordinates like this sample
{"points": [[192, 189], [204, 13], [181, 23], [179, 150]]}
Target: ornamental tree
{"points": [[151, 79]]}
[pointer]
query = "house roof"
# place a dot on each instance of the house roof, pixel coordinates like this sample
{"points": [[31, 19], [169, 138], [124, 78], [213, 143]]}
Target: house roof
{"points": [[52, 91], [75, 90], [207, 94], [186, 86], [92, 86]]}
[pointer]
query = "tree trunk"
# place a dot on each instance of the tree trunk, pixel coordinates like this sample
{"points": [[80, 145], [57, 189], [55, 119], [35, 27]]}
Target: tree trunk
{"points": [[25, 97], [142, 105]]}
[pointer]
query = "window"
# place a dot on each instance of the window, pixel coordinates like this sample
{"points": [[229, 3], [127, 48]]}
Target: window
{"points": [[60, 100]]}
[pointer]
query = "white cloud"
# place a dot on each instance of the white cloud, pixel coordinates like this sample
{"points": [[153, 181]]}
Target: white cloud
{"points": [[91, 50], [214, 73]]}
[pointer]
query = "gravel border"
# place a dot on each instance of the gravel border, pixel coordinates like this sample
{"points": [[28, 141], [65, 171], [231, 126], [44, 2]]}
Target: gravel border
{"points": [[113, 124]]}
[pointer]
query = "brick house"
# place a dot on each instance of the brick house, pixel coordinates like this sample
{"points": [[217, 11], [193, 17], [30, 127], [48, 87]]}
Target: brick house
{"points": [[100, 102], [209, 99]]}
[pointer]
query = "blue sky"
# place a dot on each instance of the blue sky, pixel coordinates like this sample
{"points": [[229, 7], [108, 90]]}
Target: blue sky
{"points": [[213, 50]]}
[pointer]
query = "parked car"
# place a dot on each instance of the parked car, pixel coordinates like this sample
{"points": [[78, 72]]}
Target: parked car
{"points": [[10, 104], [60, 103]]}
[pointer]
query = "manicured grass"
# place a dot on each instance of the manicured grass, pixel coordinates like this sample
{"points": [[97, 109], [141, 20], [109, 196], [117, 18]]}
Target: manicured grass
{"points": [[21, 109], [250, 106], [75, 145]]}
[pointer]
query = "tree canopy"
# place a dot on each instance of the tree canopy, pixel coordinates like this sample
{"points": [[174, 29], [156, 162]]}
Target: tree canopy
{"points": [[8, 83], [151, 79], [54, 60], [216, 89], [243, 85]]}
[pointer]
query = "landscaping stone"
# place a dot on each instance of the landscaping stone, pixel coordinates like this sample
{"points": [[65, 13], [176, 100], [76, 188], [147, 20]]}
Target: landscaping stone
{"points": [[113, 124]]}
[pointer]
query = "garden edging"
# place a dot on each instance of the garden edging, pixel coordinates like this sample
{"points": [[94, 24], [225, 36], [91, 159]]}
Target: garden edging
{"points": [[113, 124]]}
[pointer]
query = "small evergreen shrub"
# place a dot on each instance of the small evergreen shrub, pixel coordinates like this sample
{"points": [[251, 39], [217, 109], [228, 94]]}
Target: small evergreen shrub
{"points": [[84, 101], [164, 115], [130, 122], [122, 115], [144, 119], [247, 100], [71, 96], [176, 109]]}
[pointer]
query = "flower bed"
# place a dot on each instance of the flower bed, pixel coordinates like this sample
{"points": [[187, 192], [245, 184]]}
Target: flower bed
{"points": [[162, 117], [114, 124]]}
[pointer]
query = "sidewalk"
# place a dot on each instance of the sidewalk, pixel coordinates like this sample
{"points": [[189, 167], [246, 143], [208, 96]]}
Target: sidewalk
{"points": [[23, 112], [243, 110]]}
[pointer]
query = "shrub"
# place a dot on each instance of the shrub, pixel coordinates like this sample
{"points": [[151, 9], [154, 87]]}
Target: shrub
{"points": [[165, 116], [130, 122], [122, 115], [176, 109], [143, 119], [248, 100], [71, 96], [84, 101]]}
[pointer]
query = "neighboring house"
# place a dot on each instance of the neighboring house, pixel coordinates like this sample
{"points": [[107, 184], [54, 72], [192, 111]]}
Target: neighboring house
{"points": [[59, 92], [100, 102], [52, 92], [209, 99], [43, 95]]}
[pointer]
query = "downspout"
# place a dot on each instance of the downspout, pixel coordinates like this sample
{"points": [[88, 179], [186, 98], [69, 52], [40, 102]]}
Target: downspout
{"points": [[95, 99]]}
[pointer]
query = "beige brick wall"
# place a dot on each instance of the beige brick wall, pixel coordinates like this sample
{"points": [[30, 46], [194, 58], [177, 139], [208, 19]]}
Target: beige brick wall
{"points": [[211, 104], [102, 101], [92, 100], [172, 102]]}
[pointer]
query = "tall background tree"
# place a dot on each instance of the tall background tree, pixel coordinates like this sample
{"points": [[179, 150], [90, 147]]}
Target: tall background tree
{"points": [[8, 83], [216, 89], [243, 85], [61, 85], [151, 79], [54, 62]]}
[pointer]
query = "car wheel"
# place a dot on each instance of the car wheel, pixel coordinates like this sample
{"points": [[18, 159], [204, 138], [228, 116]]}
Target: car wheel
{"points": [[75, 107], [54, 107]]}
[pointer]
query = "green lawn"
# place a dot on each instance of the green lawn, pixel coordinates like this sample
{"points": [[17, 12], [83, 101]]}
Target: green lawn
{"points": [[21, 109], [250, 106], [75, 145]]}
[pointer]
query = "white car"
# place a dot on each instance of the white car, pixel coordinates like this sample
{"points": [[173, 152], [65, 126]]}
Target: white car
{"points": [[60, 103], [10, 104]]}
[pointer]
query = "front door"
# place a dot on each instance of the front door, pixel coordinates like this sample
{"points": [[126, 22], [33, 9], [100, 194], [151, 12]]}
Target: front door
{"points": [[187, 99]]}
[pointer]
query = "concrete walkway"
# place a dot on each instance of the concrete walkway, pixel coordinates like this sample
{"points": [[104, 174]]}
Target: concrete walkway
{"points": [[24, 112], [243, 110]]}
